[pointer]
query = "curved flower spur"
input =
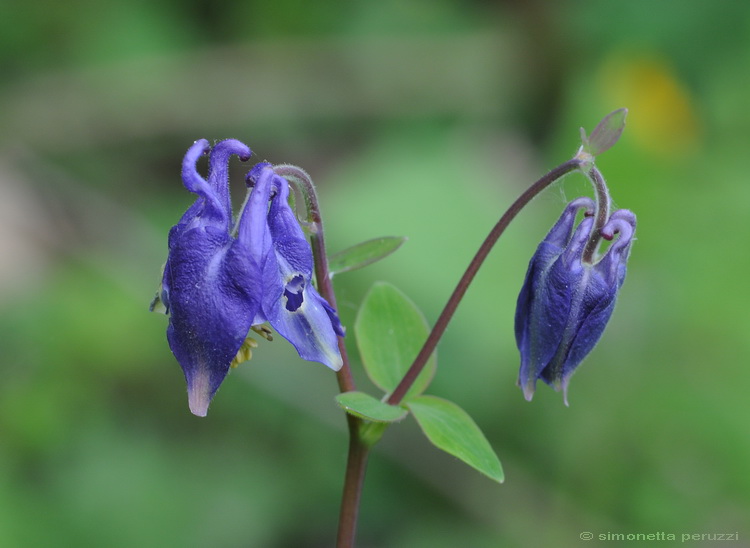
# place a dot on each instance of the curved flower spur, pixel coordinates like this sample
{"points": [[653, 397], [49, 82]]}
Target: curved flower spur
{"points": [[567, 298], [223, 278]]}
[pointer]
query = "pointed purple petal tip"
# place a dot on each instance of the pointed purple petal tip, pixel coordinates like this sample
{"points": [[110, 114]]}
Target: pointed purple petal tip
{"points": [[199, 394]]}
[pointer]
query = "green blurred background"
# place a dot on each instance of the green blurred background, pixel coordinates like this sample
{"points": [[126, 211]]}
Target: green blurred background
{"points": [[416, 118]]}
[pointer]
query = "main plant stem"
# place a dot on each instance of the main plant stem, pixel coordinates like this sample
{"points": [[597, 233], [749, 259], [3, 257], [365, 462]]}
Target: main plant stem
{"points": [[358, 450], [463, 284], [356, 464]]}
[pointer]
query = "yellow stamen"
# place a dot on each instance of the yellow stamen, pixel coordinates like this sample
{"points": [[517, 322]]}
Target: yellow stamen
{"points": [[245, 352], [263, 331]]}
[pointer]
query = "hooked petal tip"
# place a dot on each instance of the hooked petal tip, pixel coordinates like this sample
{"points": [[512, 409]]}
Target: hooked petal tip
{"points": [[562, 385], [565, 392]]}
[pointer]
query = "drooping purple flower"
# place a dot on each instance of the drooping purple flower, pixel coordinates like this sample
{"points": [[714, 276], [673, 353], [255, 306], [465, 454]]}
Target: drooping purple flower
{"points": [[565, 302], [301, 315], [223, 277], [211, 286]]}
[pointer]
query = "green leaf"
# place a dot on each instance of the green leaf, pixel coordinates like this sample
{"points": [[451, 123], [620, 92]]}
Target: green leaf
{"points": [[363, 254], [451, 429], [606, 133], [367, 407], [390, 331]]}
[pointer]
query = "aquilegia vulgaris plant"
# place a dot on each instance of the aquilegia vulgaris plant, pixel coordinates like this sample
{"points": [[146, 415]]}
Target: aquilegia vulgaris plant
{"points": [[230, 277]]}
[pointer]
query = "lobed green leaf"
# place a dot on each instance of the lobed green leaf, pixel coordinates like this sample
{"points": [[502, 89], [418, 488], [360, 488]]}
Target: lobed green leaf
{"points": [[363, 254], [390, 331], [451, 429], [369, 408]]}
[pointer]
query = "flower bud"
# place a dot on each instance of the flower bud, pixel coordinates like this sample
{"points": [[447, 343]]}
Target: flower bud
{"points": [[565, 302]]}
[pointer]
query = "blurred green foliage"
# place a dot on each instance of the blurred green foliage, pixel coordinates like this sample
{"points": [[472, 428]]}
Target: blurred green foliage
{"points": [[422, 119]]}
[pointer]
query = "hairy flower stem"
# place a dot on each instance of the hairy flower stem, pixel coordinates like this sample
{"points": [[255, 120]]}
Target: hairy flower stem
{"points": [[304, 184], [356, 464], [602, 213], [463, 284]]}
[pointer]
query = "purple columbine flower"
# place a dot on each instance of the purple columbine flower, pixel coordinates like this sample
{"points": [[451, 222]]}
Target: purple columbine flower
{"points": [[291, 304], [566, 301], [223, 277]]}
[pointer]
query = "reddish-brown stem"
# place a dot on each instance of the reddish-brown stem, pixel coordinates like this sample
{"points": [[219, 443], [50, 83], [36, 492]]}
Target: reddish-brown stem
{"points": [[463, 284], [358, 450], [303, 182], [325, 287], [356, 464]]}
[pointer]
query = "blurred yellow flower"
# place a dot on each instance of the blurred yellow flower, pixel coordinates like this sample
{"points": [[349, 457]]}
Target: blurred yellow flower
{"points": [[662, 115]]}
